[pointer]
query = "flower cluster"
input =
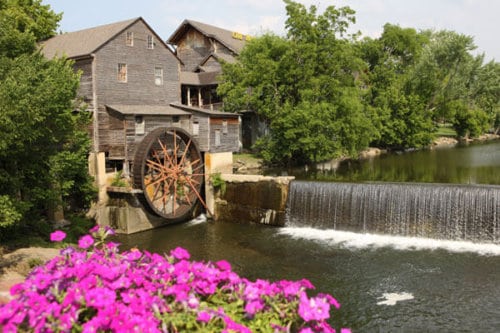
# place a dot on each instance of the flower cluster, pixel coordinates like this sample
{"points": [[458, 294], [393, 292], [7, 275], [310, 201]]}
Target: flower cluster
{"points": [[96, 288]]}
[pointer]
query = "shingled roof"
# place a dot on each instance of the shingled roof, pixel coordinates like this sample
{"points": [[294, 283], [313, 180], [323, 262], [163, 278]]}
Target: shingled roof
{"points": [[223, 36]]}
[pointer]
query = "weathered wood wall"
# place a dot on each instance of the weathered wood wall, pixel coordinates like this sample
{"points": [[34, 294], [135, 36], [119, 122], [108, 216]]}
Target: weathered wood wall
{"points": [[140, 87], [195, 47]]}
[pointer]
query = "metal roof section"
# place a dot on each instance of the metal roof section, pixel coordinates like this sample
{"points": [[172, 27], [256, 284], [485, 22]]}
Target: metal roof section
{"points": [[204, 111], [147, 110], [199, 79]]}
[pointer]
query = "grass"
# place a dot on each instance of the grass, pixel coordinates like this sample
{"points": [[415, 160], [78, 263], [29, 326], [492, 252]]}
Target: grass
{"points": [[446, 130], [247, 158]]}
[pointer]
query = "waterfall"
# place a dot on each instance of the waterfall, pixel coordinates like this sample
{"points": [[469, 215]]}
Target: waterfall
{"points": [[458, 212]]}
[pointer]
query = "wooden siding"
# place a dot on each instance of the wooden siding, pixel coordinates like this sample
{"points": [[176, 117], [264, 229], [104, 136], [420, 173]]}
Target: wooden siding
{"points": [[195, 47], [84, 66], [212, 65], [151, 123], [229, 141], [140, 87]]}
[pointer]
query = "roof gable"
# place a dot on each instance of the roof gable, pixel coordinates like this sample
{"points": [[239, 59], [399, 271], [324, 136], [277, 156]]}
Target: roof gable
{"points": [[85, 42], [233, 41]]}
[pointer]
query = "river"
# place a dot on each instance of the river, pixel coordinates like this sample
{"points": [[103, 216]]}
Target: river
{"points": [[385, 283]]}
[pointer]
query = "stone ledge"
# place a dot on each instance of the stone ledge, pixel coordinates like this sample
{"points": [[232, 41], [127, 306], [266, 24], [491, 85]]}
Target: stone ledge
{"points": [[233, 178], [119, 189]]}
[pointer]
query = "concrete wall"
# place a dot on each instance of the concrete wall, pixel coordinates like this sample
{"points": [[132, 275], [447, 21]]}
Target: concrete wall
{"points": [[253, 198]]}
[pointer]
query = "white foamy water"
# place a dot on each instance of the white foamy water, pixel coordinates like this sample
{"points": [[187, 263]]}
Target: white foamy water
{"points": [[202, 218], [362, 241], [393, 298]]}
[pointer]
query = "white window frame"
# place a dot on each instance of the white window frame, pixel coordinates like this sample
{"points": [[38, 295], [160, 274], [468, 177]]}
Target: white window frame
{"points": [[217, 138], [196, 128], [151, 42], [130, 38], [122, 72], [140, 125], [224, 127], [158, 75]]}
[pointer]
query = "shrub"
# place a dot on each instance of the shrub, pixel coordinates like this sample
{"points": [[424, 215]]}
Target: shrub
{"points": [[97, 288]]}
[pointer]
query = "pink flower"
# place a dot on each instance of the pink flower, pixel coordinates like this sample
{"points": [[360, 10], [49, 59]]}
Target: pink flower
{"points": [[57, 236], [85, 242], [100, 297], [223, 265], [253, 307], [314, 308], [306, 330], [203, 316], [180, 253]]}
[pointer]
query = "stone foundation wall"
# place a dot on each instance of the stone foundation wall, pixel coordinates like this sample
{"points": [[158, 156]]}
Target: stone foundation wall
{"points": [[126, 213], [253, 198]]}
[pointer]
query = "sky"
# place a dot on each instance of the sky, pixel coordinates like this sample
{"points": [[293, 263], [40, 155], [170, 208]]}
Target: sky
{"points": [[476, 18]]}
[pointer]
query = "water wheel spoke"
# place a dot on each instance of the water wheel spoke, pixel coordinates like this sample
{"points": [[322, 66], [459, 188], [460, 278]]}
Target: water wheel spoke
{"points": [[166, 153], [193, 187], [192, 179], [185, 152], [154, 165], [157, 156]]}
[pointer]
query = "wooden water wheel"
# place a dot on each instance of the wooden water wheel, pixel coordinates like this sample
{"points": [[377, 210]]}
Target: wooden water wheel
{"points": [[168, 168]]}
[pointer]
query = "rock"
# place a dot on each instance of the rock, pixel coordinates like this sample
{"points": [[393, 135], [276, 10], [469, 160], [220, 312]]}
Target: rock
{"points": [[16, 265]]}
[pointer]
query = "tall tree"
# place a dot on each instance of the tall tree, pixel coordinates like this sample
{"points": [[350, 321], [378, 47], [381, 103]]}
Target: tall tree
{"points": [[400, 117], [43, 141], [306, 85]]}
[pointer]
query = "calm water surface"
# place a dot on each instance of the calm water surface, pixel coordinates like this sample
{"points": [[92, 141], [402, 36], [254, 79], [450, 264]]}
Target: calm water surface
{"points": [[464, 164], [384, 283]]}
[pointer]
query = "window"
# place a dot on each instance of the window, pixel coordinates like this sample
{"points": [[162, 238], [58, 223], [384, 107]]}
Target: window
{"points": [[196, 128], [176, 119], [158, 76], [224, 127], [122, 72], [217, 138], [130, 38], [139, 125], [151, 42]]}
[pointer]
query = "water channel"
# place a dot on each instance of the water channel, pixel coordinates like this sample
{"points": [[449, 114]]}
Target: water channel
{"points": [[385, 283]]}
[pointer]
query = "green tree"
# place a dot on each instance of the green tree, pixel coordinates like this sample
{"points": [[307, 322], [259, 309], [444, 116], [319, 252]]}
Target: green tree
{"points": [[455, 85], [43, 141], [399, 116], [306, 85]]}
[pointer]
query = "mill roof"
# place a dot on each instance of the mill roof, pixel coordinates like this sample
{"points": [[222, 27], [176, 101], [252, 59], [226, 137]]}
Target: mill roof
{"points": [[158, 110], [85, 42], [232, 40]]}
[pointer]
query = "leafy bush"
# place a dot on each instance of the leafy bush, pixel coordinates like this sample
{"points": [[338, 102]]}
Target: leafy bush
{"points": [[218, 183], [97, 288], [118, 180]]}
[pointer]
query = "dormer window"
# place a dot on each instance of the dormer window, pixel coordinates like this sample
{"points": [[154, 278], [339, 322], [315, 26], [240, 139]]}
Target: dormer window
{"points": [[151, 42], [130, 38]]}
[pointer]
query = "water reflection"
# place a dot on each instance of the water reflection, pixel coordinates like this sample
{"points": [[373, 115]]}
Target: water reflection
{"points": [[471, 164]]}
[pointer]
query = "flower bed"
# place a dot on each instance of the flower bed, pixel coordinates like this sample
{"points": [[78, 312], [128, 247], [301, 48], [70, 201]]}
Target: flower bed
{"points": [[97, 288]]}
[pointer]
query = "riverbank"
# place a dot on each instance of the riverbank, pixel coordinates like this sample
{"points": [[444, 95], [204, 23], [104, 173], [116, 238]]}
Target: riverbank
{"points": [[16, 265], [250, 164]]}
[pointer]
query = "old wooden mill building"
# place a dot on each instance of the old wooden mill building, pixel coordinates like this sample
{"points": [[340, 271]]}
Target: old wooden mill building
{"points": [[156, 113]]}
